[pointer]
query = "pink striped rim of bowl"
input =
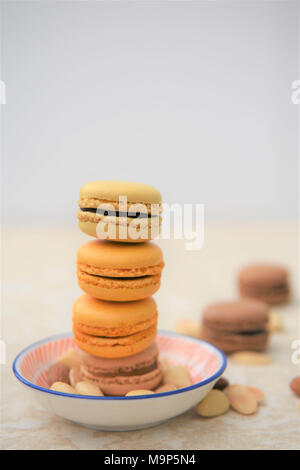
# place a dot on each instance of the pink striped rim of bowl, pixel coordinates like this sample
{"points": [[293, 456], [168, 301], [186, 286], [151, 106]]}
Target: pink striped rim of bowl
{"points": [[204, 361]]}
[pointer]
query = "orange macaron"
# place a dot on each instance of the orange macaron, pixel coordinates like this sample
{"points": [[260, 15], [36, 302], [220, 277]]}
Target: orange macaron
{"points": [[118, 272], [114, 329]]}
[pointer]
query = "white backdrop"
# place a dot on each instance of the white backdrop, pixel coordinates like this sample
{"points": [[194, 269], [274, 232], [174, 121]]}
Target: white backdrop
{"points": [[192, 97]]}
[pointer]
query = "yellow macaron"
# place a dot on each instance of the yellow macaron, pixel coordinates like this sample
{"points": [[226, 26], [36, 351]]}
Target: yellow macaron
{"points": [[117, 272], [119, 210]]}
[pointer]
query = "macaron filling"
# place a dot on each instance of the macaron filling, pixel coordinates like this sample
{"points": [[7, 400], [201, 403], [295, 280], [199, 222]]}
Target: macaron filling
{"points": [[120, 273], [119, 279], [132, 215], [226, 333], [230, 341], [115, 331], [115, 347], [129, 371], [261, 290], [242, 326], [112, 340], [250, 332], [118, 282]]}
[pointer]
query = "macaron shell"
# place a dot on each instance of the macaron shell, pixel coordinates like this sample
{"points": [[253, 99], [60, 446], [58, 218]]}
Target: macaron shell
{"points": [[115, 347], [266, 275], [119, 290], [137, 364], [267, 282], [88, 226], [243, 315], [120, 317], [113, 255], [232, 342], [271, 296], [111, 190], [120, 385]]}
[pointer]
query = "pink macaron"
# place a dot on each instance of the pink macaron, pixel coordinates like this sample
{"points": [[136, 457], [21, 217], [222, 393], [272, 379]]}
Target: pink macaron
{"points": [[116, 377]]}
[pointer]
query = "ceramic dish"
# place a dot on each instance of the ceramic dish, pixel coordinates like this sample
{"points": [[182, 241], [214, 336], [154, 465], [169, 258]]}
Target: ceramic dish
{"points": [[205, 362]]}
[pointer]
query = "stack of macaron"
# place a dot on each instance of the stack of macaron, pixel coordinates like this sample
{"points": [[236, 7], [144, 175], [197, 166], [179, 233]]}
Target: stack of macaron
{"points": [[115, 321], [244, 324]]}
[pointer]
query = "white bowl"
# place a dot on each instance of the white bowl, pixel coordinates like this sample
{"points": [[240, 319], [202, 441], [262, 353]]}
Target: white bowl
{"points": [[205, 362]]}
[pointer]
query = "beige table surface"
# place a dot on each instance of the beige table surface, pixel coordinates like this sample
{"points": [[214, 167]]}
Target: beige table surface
{"points": [[39, 287]]}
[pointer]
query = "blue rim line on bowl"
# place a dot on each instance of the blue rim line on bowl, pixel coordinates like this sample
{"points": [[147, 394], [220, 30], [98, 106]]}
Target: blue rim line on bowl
{"points": [[138, 397]]}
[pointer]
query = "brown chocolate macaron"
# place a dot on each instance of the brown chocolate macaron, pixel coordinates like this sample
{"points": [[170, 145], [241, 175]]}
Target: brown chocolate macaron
{"points": [[236, 326], [266, 282]]}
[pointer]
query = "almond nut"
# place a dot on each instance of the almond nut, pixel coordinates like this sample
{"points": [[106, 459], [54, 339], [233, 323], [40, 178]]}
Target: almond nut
{"points": [[164, 363], [178, 376], [86, 388], [251, 358], [295, 385], [75, 375], [71, 359], [188, 327], [260, 395], [214, 404], [241, 399], [63, 388], [275, 322]]}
